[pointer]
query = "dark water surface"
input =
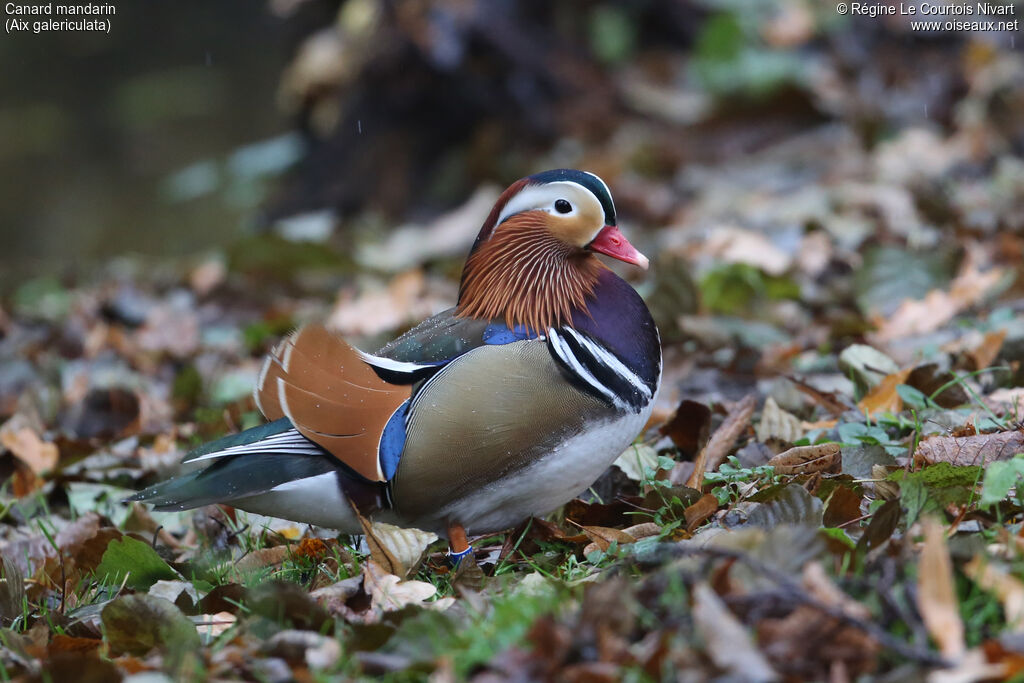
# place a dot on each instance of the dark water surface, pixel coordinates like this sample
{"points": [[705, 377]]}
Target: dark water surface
{"points": [[137, 141]]}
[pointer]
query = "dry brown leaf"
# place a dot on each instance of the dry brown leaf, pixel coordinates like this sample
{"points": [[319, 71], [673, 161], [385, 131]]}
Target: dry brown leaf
{"points": [[980, 449], [382, 308], [396, 549], [263, 557], [644, 530], [936, 595], [705, 506], [603, 536], [1007, 401], [821, 457], [721, 442], [921, 316], [727, 641], [389, 593], [883, 397], [207, 276], [738, 245], [778, 424], [813, 640], [972, 667], [985, 354], [212, 625], [689, 426], [40, 456], [834, 403], [1009, 589], [842, 507]]}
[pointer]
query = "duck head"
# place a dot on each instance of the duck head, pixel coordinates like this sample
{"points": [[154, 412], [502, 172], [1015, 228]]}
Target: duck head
{"points": [[534, 261]]}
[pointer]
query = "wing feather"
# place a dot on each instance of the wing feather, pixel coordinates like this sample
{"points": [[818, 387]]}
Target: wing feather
{"points": [[332, 397]]}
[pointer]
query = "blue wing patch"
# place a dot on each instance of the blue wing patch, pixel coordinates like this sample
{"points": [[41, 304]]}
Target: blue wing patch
{"points": [[499, 333], [392, 441]]}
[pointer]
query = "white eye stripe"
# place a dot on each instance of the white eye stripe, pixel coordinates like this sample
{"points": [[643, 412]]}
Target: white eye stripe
{"points": [[543, 198]]}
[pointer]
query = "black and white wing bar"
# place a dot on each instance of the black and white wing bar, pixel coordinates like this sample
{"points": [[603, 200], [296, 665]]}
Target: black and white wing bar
{"points": [[597, 370]]}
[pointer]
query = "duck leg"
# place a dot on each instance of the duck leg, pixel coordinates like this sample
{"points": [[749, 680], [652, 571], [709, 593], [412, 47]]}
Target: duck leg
{"points": [[458, 545]]}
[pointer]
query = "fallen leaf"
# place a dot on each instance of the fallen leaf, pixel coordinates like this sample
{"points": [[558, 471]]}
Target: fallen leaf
{"points": [[175, 590], [210, 626], [881, 527], [785, 504], [318, 651], [778, 425], [397, 550], [262, 558], [842, 507], [135, 624], [695, 514], [728, 643], [603, 536], [980, 449], [689, 426], [135, 563], [823, 457], [40, 456], [866, 366], [884, 398], [721, 442], [636, 460], [834, 403], [929, 378], [810, 642], [936, 595], [736, 245], [938, 307], [1008, 588], [1007, 402], [389, 593], [644, 530], [984, 354]]}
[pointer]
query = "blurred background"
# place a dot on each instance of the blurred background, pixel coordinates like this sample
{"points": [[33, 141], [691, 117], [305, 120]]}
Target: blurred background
{"points": [[180, 192]]}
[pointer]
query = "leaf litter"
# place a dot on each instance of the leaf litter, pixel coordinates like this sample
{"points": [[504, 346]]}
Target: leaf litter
{"points": [[829, 488]]}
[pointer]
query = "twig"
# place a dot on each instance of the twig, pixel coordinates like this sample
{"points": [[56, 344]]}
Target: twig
{"points": [[794, 593]]}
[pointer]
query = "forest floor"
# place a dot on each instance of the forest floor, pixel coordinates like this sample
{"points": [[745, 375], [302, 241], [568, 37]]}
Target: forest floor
{"points": [[828, 488]]}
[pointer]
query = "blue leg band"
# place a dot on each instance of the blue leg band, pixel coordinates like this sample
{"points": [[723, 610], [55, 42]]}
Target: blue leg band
{"points": [[456, 558]]}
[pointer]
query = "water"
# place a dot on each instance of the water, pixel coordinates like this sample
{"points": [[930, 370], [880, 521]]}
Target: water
{"points": [[95, 130]]}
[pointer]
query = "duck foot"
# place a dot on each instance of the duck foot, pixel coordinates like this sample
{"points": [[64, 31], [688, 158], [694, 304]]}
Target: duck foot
{"points": [[458, 545]]}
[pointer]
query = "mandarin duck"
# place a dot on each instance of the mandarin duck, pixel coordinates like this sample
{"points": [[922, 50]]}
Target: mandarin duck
{"points": [[504, 407]]}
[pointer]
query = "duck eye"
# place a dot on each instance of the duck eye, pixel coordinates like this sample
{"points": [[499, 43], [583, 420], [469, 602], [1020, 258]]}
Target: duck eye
{"points": [[563, 206]]}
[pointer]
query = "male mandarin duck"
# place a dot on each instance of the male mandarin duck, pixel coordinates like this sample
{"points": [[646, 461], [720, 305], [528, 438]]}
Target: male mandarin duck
{"points": [[506, 406]]}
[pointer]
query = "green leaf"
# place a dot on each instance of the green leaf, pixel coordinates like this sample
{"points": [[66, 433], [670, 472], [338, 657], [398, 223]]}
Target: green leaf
{"points": [[932, 488], [612, 33], [854, 433], [1000, 477], [136, 560], [913, 398], [890, 274], [739, 287]]}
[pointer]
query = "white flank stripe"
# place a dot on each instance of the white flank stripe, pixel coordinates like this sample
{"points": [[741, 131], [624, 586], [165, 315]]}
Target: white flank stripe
{"points": [[613, 363], [290, 441], [566, 355], [392, 365]]}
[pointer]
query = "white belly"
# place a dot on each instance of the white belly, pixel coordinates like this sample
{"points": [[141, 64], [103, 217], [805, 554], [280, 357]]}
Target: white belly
{"points": [[547, 484]]}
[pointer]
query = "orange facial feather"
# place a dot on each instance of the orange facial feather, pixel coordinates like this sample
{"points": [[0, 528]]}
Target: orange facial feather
{"points": [[525, 275]]}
